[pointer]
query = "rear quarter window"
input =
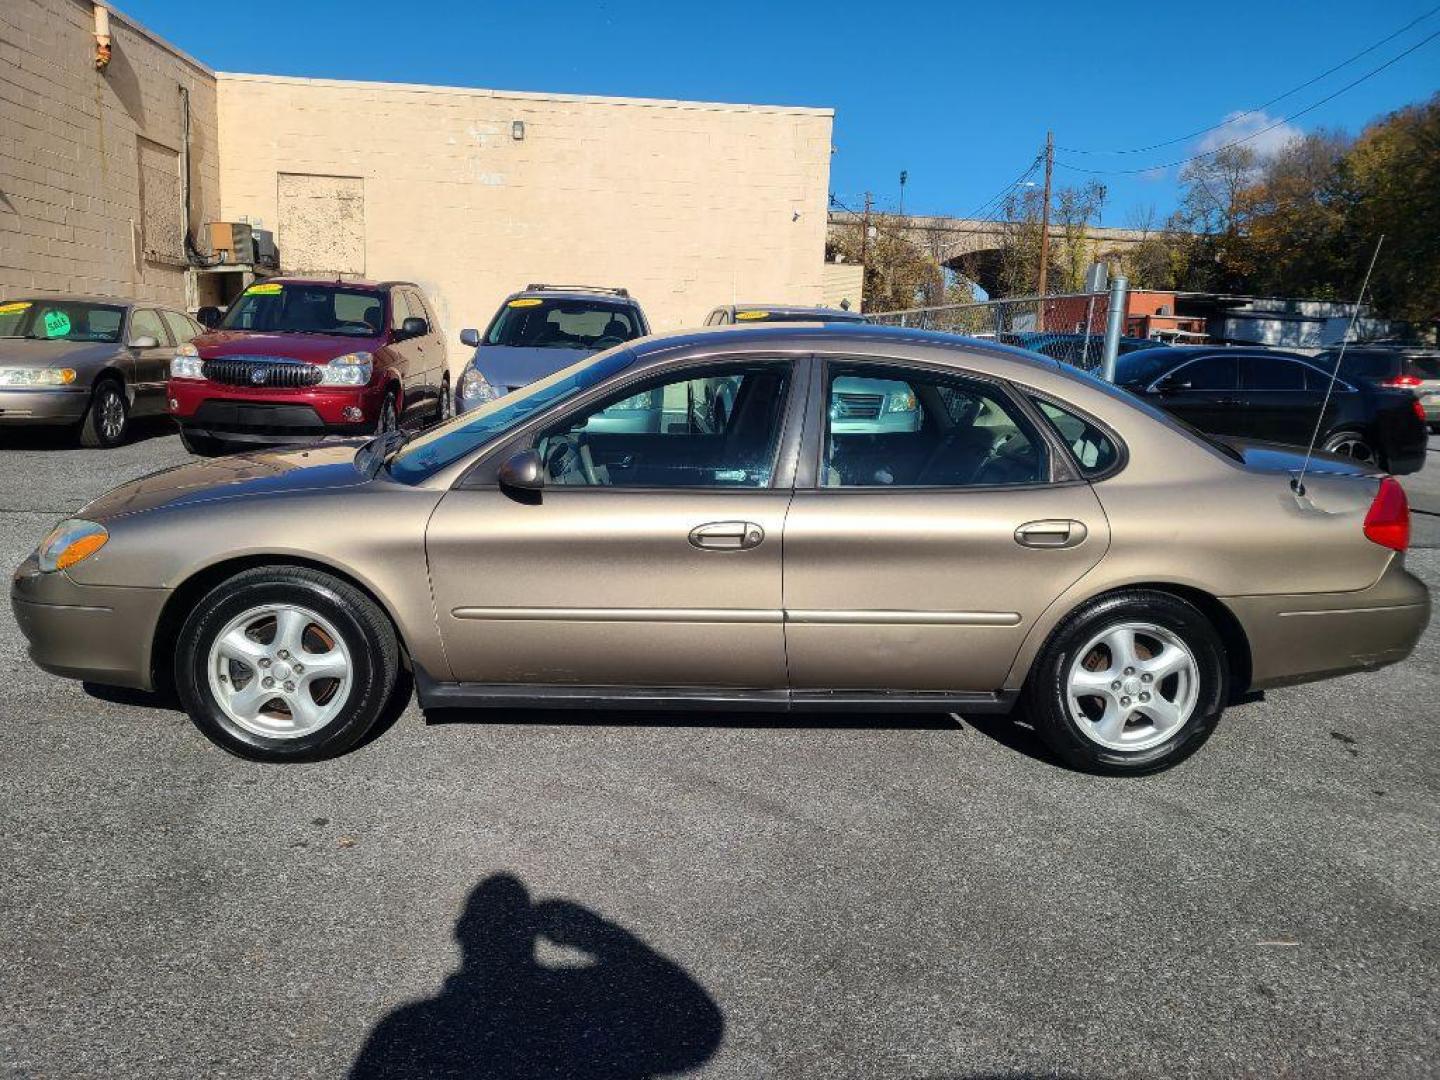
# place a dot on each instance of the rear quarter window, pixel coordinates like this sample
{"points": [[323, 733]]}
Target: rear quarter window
{"points": [[1095, 451]]}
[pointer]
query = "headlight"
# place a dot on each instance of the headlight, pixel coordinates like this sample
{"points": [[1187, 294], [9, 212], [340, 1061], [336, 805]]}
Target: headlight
{"points": [[901, 401], [27, 376], [352, 369], [475, 390], [186, 363], [71, 542]]}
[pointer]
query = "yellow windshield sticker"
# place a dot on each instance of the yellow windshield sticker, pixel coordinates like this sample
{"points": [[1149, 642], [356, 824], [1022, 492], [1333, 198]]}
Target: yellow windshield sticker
{"points": [[14, 306], [57, 324], [263, 289], [751, 316], [526, 301]]}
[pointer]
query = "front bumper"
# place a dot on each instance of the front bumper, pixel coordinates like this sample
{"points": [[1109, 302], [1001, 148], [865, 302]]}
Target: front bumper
{"points": [[47, 405], [1309, 636], [265, 412], [102, 634]]}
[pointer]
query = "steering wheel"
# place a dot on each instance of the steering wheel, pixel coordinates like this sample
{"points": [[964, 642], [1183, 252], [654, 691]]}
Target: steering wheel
{"points": [[565, 456], [608, 342]]}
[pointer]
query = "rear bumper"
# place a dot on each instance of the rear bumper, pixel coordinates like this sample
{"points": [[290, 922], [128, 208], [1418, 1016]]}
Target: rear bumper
{"points": [[1303, 637], [47, 406], [102, 634]]}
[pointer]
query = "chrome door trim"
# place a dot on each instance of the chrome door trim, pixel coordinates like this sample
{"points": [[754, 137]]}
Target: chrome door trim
{"points": [[903, 618], [626, 615]]}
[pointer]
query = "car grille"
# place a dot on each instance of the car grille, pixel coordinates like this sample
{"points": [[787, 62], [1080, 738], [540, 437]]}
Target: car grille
{"points": [[859, 406], [261, 371]]}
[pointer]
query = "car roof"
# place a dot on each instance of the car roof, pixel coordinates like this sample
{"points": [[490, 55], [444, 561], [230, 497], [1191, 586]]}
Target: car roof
{"points": [[90, 298], [338, 282], [821, 313], [576, 292], [831, 336]]}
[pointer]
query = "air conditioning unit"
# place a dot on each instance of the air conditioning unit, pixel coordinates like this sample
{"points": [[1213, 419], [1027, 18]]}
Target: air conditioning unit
{"points": [[231, 241], [266, 253]]}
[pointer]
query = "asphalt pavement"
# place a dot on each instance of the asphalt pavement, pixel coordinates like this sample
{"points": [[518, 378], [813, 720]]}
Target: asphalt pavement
{"points": [[534, 895]]}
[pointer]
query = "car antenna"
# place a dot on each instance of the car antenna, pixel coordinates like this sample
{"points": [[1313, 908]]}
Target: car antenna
{"points": [[1297, 484]]}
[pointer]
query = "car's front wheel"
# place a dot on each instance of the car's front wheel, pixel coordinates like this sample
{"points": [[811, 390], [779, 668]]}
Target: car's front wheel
{"points": [[107, 421], [286, 664], [1131, 683]]}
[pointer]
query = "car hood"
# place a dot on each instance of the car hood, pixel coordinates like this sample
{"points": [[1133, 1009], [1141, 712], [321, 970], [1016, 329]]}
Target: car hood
{"points": [[31, 352], [270, 472], [316, 348], [510, 366], [1280, 458]]}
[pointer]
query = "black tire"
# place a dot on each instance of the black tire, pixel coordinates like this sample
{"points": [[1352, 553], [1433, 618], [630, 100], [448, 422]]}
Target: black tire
{"points": [[203, 445], [364, 627], [1046, 699], [1347, 442], [388, 418], [445, 408], [107, 420]]}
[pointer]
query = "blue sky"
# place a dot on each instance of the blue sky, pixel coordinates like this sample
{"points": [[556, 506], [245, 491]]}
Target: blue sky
{"points": [[958, 94]]}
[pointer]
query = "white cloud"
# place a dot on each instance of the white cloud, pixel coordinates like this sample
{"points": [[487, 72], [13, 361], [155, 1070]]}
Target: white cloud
{"points": [[1241, 125]]}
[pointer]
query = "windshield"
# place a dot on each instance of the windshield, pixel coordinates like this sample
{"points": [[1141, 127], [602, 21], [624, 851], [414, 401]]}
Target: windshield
{"points": [[533, 322], [448, 443], [61, 320], [768, 315], [307, 309]]}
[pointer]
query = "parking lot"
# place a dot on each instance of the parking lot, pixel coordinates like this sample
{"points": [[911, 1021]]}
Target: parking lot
{"points": [[886, 896]]}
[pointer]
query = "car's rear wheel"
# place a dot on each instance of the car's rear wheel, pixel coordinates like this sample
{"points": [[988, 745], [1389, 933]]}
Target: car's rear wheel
{"points": [[107, 421], [1131, 683], [286, 664], [1352, 444]]}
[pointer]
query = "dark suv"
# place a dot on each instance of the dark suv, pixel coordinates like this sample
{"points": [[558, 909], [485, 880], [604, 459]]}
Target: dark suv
{"points": [[540, 330], [296, 359], [1274, 396]]}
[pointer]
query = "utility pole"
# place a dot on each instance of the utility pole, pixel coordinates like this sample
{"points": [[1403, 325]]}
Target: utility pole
{"points": [[1045, 229], [904, 176], [865, 230]]}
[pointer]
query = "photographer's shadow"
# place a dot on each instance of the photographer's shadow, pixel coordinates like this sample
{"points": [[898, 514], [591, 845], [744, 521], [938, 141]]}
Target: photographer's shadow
{"points": [[613, 1008]]}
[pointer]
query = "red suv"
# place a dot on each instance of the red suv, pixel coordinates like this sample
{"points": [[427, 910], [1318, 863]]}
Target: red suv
{"points": [[297, 359]]}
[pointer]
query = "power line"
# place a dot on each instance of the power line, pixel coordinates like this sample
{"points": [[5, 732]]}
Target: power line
{"points": [[1256, 134], [997, 200], [1263, 105]]}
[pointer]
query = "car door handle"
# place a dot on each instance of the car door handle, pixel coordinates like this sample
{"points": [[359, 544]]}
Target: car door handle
{"points": [[1051, 534], [727, 535]]}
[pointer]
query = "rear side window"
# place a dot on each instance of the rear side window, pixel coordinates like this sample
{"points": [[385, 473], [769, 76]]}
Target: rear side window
{"points": [[1094, 450], [1271, 373], [1425, 367]]}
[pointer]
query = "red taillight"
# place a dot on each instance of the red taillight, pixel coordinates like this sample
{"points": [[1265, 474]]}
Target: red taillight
{"points": [[1388, 521], [1402, 382], [1420, 410]]}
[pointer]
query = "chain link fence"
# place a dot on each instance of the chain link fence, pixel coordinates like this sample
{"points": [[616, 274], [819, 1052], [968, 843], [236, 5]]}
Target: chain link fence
{"points": [[1069, 327]]}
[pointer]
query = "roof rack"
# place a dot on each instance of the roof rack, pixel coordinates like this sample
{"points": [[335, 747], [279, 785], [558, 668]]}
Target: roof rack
{"points": [[576, 288]]}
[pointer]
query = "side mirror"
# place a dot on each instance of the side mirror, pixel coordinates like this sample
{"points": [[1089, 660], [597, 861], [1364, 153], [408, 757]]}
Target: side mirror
{"points": [[523, 471], [208, 317], [144, 341], [414, 327], [470, 338]]}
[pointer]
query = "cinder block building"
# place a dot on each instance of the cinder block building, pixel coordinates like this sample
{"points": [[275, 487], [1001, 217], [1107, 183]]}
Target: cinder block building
{"points": [[110, 172]]}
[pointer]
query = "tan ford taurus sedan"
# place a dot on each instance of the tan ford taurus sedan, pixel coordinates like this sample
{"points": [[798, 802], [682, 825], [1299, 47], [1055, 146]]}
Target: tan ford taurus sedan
{"points": [[726, 519]]}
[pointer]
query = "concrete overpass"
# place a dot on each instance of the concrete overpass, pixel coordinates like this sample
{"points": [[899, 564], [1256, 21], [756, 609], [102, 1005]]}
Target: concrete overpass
{"points": [[972, 247]]}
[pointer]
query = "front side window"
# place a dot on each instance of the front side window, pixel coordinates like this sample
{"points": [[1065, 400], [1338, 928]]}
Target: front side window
{"points": [[890, 428], [534, 322], [715, 429], [181, 328], [287, 308], [1207, 373], [1094, 450], [61, 320]]}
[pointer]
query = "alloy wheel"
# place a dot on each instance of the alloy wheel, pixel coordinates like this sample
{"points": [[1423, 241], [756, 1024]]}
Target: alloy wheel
{"points": [[1132, 686], [1352, 446], [111, 414], [280, 671]]}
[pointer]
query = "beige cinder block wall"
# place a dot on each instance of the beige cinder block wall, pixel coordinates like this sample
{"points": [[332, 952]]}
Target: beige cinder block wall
{"points": [[688, 205], [90, 161]]}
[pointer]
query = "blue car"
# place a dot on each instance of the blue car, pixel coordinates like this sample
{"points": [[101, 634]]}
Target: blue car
{"points": [[540, 330]]}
